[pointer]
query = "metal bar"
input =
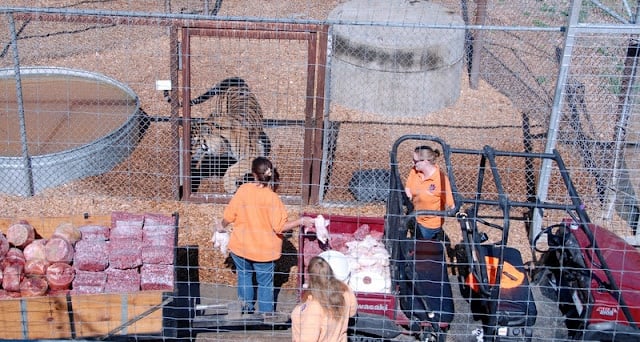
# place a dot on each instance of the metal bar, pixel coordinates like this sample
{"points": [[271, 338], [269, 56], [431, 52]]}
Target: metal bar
{"points": [[185, 52], [478, 45], [310, 127], [26, 158], [24, 319], [174, 67], [319, 55], [556, 115]]}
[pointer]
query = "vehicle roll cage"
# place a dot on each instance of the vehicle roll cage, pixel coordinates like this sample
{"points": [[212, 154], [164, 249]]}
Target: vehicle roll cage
{"points": [[399, 207]]}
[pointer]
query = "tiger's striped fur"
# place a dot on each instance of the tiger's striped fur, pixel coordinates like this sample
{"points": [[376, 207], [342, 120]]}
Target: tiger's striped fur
{"points": [[234, 131]]}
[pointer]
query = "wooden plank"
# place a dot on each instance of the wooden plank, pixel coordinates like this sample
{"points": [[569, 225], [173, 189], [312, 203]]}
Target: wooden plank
{"points": [[96, 315], [99, 314], [47, 317], [137, 304], [11, 319]]}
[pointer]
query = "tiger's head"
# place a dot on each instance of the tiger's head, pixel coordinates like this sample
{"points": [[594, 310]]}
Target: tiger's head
{"points": [[206, 141]]}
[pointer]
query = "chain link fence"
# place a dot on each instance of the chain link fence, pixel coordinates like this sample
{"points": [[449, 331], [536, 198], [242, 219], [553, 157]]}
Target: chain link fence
{"points": [[113, 81]]}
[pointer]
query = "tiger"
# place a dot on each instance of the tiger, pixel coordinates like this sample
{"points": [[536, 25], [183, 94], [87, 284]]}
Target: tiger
{"points": [[230, 137]]}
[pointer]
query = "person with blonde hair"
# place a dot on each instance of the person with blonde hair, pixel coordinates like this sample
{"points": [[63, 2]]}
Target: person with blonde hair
{"points": [[259, 220], [325, 307], [428, 188]]}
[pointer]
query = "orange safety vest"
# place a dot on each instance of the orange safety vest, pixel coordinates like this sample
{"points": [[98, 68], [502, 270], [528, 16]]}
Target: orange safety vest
{"points": [[511, 277]]}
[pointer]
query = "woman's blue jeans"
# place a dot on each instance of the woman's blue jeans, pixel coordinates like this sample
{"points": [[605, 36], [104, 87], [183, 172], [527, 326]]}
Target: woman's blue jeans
{"points": [[263, 271], [428, 233]]}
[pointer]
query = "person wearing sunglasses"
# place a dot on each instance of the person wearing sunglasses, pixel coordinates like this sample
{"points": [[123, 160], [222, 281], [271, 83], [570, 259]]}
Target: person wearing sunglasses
{"points": [[428, 188]]}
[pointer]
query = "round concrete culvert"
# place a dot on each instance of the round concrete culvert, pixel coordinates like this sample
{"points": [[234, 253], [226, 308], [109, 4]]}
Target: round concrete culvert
{"points": [[396, 57], [78, 124]]}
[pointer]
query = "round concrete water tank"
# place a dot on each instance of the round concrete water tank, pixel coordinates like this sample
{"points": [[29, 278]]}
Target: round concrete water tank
{"points": [[396, 57]]}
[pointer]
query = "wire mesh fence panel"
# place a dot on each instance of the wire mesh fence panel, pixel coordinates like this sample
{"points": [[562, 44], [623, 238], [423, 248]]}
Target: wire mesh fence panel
{"points": [[271, 112], [110, 122]]}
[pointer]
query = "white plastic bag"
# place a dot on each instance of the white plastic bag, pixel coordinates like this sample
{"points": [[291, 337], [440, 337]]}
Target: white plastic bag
{"points": [[220, 237], [321, 225], [221, 241]]}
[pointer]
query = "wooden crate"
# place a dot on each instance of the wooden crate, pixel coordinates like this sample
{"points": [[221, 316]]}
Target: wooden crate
{"points": [[74, 316]]}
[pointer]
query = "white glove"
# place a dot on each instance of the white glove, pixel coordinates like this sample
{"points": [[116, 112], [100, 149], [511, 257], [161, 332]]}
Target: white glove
{"points": [[321, 225], [221, 241]]}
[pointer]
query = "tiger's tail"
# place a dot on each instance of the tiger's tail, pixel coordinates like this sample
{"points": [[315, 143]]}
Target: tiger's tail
{"points": [[220, 88]]}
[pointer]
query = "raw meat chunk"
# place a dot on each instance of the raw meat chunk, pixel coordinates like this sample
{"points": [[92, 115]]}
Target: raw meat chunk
{"points": [[156, 277], [93, 279], [126, 230], [122, 280], [158, 219], [35, 250], [33, 287], [125, 253], [91, 255], [36, 267], [58, 250], [93, 232], [21, 234], [159, 255], [60, 276]]}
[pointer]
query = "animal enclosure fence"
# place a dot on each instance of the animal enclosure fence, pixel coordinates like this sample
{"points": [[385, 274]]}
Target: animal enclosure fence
{"points": [[536, 76]]}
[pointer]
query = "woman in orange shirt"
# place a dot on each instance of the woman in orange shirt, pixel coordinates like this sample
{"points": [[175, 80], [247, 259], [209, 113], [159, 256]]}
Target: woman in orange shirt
{"points": [[327, 303], [428, 188], [259, 219]]}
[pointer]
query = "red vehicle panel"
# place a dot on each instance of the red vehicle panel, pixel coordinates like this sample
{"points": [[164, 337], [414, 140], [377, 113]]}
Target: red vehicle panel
{"points": [[384, 304], [624, 262]]}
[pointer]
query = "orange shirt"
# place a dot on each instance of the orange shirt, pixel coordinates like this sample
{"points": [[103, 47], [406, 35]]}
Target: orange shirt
{"points": [[258, 217], [310, 322], [429, 194]]}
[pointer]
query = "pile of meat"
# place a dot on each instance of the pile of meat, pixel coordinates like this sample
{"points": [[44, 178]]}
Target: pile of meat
{"points": [[135, 253], [368, 258]]}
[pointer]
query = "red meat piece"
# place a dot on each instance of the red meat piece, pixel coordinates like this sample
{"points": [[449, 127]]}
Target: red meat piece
{"points": [[339, 241], [35, 250], [58, 250], [158, 219], [33, 287], [87, 289], [121, 216], [93, 232], [311, 248], [125, 253], [4, 294], [126, 230], [362, 232], [158, 238], [159, 255], [156, 277], [60, 276], [36, 267], [119, 281], [14, 255], [93, 279], [13, 274], [377, 235], [20, 234], [4, 245], [91, 255]]}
